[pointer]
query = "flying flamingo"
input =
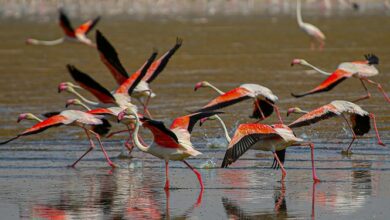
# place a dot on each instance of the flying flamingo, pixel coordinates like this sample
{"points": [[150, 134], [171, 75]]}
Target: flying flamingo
{"points": [[263, 137], [110, 58], [275, 138], [360, 119], [358, 69], [68, 117], [120, 97], [71, 35], [171, 143], [263, 105], [314, 32]]}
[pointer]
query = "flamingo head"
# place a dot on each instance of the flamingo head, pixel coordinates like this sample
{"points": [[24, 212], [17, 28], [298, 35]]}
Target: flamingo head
{"points": [[295, 110], [23, 116], [127, 113], [203, 120], [72, 102], [201, 84], [31, 41], [298, 61]]}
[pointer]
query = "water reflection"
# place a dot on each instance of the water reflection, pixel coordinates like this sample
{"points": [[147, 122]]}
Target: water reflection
{"points": [[235, 211], [114, 197]]}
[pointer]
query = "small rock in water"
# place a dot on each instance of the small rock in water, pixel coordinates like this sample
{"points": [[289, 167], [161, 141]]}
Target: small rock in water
{"points": [[209, 164], [135, 164]]}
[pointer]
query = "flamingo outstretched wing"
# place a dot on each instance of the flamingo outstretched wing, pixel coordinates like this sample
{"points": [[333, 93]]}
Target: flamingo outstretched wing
{"points": [[329, 83], [162, 135], [321, 113], [65, 24], [85, 81], [53, 121], [87, 26], [110, 58], [244, 138], [188, 121], [132, 82], [228, 98], [158, 66]]}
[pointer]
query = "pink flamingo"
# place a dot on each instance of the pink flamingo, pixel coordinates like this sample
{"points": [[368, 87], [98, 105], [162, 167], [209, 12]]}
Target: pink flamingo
{"points": [[264, 99], [71, 35], [360, 119], [68, 117], [358, 69], [171, 143], [110, 58]]}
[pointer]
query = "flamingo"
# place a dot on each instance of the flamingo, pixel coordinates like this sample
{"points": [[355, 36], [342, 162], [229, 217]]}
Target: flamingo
{"points": [[358, 69], [360, 119], [67, 117], [71, 35], [275, 138], [314, 32], [120, 97], [264, 99], [110, 58], [171, 143]]}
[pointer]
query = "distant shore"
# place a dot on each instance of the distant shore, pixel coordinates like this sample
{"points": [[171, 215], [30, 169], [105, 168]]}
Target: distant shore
{"points": [[44, 9]]}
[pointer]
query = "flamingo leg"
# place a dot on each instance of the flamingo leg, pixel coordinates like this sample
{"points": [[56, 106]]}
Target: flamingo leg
{"points": [[115, 132], [376, 130], [92, 146], [284, 173], [279, 202], [129, 146], [261, 112], [313, 168], [104, 151], [166, 176], [313, 200], [277, 111], [367, 96], [379, 88], [196, 173], [167, 204], [353, 133]]}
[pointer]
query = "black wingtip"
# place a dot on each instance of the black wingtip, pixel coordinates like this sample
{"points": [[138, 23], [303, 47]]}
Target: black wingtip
{"points": [[372, 59], [297, 95], [9, 140]]}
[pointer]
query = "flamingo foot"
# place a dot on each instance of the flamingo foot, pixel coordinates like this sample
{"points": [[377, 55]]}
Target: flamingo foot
{"points": [[381, 143], [316, 180], [346, 152]]}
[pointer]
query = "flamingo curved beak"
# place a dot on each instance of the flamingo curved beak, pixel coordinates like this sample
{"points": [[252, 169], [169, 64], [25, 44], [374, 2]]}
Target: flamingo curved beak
{"points": [[203, 120], [295, 61], [21, 117], [121, 115], [290, 110], [61, 87], [197, 86]]}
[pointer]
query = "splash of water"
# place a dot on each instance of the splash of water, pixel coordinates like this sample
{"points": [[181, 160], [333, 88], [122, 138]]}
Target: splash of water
{"points": [[209, 164]]}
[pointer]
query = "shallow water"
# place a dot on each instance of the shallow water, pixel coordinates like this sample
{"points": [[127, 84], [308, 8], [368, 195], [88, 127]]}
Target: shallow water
{"points": [[34, 180]]}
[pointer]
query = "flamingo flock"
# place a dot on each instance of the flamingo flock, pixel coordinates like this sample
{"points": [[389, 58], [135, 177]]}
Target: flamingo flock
{"points": [[173, 143]]}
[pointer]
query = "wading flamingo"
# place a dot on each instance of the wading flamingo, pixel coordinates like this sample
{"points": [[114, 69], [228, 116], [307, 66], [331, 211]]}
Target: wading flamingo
{"points": [[68, 117], [358, 69], [171, 143], [71, 35], [280, 153], [263, 105], [120, 97], [360, 119], [314, 32], [263, 137], [110, 58]]}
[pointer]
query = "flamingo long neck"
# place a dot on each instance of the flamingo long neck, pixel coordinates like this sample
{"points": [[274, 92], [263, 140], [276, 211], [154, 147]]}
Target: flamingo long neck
{"points": [[46, 42], [316, 68], [84, 106], [215, 88], [224, 128], [137, 142], [299, 15], [89, 102], [34, 117]]}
